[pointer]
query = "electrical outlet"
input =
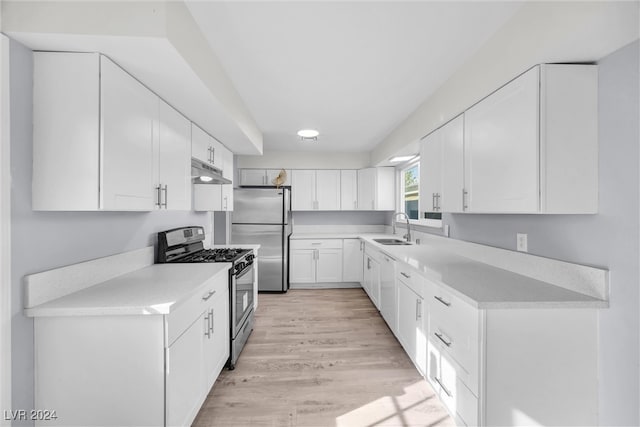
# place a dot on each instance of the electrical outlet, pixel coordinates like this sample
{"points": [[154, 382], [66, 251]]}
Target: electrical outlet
{"points": [[521, 242]]}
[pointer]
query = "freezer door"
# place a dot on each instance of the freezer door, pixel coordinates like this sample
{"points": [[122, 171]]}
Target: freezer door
{"points": [[271, 261], [257, 206]]}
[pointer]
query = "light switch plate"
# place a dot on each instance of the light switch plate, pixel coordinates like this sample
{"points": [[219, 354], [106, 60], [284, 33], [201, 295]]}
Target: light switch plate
{"points": [[521, 242]]}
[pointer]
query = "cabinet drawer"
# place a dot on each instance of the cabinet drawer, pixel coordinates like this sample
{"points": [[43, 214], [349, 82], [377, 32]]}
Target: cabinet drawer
{"points": [[453, 325], [411, 278], [444, 374], [191, 309], [316, 244]]}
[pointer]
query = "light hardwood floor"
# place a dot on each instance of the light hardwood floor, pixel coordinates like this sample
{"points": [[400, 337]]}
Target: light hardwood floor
{"points": [[321, 358]]}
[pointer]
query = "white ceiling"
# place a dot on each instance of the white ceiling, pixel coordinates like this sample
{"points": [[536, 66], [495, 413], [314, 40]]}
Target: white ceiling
{"points": [[352, 70]]}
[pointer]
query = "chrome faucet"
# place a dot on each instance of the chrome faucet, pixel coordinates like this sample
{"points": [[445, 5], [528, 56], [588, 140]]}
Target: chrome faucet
{"points": [[406, 217]]}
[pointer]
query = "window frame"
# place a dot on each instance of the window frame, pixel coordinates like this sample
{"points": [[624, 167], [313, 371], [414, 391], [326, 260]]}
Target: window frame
{"points": [[400, 170]]}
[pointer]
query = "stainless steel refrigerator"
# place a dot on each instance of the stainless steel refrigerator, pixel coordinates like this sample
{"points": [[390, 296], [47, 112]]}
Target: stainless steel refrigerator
{"points": [[262, 216]]}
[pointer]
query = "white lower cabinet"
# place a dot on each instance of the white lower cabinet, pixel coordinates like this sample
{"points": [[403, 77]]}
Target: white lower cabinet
{"points": [[388, 292], [143, 370], [412, 318], [352, 258], [371, 279], [315, 261], [502, 366]]}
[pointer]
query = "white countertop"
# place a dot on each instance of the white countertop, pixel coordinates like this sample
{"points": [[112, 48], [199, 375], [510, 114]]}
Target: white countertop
{"points": [[156, 289], [483, 285], [479, 284]]}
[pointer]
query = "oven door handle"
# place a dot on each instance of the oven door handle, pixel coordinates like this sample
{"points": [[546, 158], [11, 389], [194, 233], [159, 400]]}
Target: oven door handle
{"points": [[245, 271]]}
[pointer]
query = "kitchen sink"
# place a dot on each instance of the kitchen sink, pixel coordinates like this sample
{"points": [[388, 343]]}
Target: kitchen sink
{"points": [[392, 242]]}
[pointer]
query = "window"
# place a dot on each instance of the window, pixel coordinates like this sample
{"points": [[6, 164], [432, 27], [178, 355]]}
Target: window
{"points": [[410, 192]]}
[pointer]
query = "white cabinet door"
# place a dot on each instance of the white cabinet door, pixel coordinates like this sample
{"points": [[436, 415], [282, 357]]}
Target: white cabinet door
{"points": [[302, 266], [372, 279], [348, 190], [227, 163], [129, 115], [207, 197], [329, 265], [366, 189], [501, 149], [66, 148], [385, 196], [252, 177], [411, 325], [388, 303], [206, 148], [215, 327], [431, 172], [303, 190], [452, 165], [352, 260], [328, 190], [227, 197], [173, 183], [184, 376]]}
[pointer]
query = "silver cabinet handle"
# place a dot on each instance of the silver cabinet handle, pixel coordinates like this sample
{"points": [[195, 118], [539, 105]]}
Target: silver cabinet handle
{"points": [[213, 155], [448, 304], [166, 195], [405, 275], [225, 203], [316, 243], [207, 330], [159, 196], [433, 201], [368, 263], [448, 393], [464, 199], [441, 338], [208, 295], [211, 324], [418, 309]]}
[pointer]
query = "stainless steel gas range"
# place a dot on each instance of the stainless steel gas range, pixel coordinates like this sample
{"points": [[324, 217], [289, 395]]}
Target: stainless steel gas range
{"points": [[185, 245]]}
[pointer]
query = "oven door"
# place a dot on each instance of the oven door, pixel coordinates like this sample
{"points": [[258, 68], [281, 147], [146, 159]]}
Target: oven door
{"points": [[242, 290]]}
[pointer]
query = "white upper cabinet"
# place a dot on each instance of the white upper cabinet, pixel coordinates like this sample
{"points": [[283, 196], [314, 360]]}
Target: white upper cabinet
{"points": [[103, 141], [531, 146], [441, 168], [303, 190], [129, 115], [348, 190], [227, 163], [328, 189], [376, 189], [315, 190], [173, 177], [206, 148], [262, 177], [452, 136], [431, 172]]}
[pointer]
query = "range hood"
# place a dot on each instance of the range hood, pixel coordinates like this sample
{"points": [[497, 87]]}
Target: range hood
{"points": [[203, 173]]}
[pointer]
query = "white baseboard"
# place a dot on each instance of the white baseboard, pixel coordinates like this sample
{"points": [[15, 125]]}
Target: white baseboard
{"points": [[341, 285]]}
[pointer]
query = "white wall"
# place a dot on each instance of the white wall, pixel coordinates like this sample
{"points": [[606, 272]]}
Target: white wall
{"points": [[304, 160], [45, 240], [540, 32], [5, 232]]}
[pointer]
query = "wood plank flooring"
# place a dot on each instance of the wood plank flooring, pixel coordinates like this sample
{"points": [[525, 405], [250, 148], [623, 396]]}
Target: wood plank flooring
{"points": [[321, 358]]}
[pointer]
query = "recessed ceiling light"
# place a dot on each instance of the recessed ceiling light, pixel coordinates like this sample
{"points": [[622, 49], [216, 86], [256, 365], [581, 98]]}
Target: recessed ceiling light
{"points": [[308, 134], [398, 159]]}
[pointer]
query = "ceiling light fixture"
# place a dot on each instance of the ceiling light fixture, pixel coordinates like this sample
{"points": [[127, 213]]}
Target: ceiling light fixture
{"points": [[308, 134], [206, 178], [398, 159]]}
